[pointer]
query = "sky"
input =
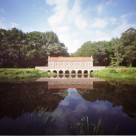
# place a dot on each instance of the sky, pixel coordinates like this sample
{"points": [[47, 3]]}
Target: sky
{"points": [[74, 21]]}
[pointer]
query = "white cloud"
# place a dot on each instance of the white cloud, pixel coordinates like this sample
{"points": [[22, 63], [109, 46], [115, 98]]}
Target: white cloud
{"points": [[123, 23], [3, 23], [28, 29], [99, 23], [64, 103], [13, 24], [80, 22], [56, 19], [65, 20], [113, 20], [7, 25], [71, 41], [101, 8]]}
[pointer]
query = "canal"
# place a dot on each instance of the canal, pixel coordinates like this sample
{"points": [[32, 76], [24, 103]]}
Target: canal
{"points": [[67, 105]]}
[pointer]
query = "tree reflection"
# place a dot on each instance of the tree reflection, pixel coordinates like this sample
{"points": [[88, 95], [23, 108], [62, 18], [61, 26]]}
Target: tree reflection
{"points": [[116, 93], [18, 98]]}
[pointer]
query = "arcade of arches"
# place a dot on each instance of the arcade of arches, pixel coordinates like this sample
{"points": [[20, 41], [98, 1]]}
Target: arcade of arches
{"points": [[70, 65]]}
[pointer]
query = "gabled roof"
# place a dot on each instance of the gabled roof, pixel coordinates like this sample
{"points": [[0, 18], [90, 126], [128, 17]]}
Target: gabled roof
{"points": [[70, 58]]}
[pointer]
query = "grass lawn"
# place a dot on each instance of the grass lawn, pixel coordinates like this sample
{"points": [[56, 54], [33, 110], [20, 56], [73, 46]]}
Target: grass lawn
{"points": [[116, 73], [21, 73], [31, 73]]}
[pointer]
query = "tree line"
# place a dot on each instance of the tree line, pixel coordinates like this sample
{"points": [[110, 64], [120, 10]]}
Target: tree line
{"points": [[116, 52], [19, 49]]}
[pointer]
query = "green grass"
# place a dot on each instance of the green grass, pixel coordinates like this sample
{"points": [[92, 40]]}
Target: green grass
{"points": [[31, 73], [19, 73], [116, 73]]}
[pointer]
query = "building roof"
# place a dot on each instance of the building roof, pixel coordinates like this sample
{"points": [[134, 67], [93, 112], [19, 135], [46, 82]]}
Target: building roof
{"points": [[70, 58]]}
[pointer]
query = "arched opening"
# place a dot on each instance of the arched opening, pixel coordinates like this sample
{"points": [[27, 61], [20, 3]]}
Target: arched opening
{"points": [[49, 73], [85, 72], [67, 76], [73, 76], [66, 72], [54, 76], [79, 75], [60, 72], [91, 71], [73, 72], [85, 76], [55, 71], [60, 76], [79, 72]]}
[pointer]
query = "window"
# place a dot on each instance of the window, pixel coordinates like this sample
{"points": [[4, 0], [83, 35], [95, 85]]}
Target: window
{"points": [[73, 63]]}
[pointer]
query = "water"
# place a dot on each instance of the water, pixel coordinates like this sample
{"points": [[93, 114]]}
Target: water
{"points": [[66, 105]]}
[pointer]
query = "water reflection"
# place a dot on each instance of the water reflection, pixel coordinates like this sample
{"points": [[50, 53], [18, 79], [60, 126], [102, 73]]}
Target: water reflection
{"points": [[52, 105]]}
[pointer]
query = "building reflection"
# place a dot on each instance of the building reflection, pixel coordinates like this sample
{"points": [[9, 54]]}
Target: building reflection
{"points": [[70, 81]]}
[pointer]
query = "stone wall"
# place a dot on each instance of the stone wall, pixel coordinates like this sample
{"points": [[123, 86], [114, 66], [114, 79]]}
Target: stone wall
{"points": [[70, 64]]}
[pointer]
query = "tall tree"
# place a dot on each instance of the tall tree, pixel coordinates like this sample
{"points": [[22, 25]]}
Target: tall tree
{"points": [[118, 50], [19, 49], [128, 40]]}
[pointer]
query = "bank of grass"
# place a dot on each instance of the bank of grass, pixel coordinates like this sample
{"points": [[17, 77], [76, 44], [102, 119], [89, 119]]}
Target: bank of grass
{"points": [[116, 74], [22, 74]]}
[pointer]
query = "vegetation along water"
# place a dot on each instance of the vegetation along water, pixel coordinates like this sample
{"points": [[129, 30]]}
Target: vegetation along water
{"points": [[30, 73]]}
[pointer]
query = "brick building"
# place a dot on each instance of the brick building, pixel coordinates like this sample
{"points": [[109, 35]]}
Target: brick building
{"points": [[68, 65]]}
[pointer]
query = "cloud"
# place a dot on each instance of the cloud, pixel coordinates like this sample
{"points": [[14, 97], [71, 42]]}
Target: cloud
{"points": [[77, 21], [65, 20], [101, 8], [99, 107], [7, 25], [13, 24], [75, 25], [99, 23], [72, 25], [123, 23], [80, 22], [113, 20], [3, 23]]}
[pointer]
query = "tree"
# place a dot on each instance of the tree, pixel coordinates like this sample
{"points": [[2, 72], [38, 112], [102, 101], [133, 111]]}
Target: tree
{"points": [[99, 50], [128, 40], [19, 49], [118, 50]]}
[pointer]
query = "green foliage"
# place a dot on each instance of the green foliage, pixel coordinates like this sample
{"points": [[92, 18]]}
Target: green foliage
{"points": [[11, 73], [128, 39], [83, 127], [100, 51], [116, 52], [19, 49], [116, 73]]}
